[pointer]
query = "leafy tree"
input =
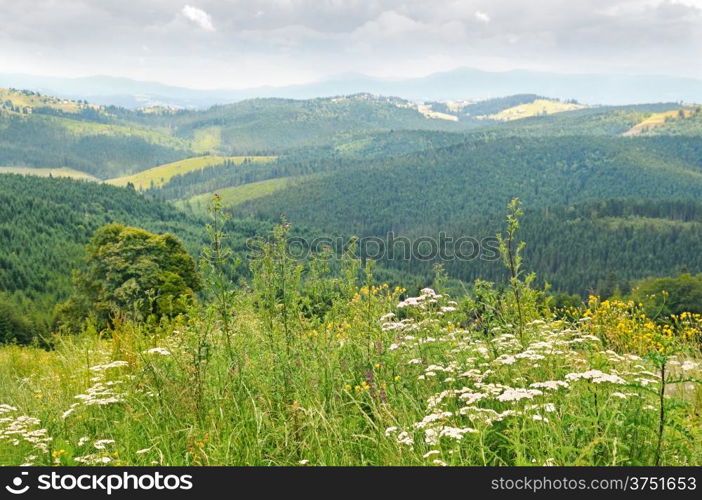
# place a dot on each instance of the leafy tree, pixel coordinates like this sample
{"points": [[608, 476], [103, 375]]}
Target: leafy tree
{"points": [[13, 327], [670, 295], [131, 272]]}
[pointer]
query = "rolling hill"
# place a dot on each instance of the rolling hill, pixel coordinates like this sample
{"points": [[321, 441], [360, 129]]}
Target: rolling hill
{"points": [[538, 107], [39, 131], [367, 165]]}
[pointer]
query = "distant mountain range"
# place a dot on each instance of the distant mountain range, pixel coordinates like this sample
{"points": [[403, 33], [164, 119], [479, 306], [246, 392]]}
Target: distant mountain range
{"points": [[459, 84]]}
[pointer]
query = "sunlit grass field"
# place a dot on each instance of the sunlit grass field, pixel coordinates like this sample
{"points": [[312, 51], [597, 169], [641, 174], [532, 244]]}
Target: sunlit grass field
{"points": [[46, 172], [536, 108], [657, 120], [235, 195], [160, 175], [32, 100]]}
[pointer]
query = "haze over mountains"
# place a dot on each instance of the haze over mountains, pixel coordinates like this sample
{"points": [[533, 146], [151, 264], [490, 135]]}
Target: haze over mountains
{"points": [[459, 84]]}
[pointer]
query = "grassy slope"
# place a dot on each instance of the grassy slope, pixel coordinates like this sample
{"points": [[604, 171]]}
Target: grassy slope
{"points": [[235, 195], [656, 120], [47, 172], [691, 125], [538, 107], [25, 99], [163, 173]]}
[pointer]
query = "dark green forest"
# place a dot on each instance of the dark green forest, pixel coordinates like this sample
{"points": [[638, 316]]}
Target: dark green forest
{"points": [[439, 187]]}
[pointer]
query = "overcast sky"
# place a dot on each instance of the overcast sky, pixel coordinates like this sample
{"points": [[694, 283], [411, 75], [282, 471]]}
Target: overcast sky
{"points": [[245, 43]]}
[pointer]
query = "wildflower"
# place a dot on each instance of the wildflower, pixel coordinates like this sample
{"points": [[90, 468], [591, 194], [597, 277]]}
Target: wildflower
{"points": [[6, 409], [304, 462], [100, 394], [158, 350], [512, 394], [431, 418], [646, 381], [455, 432], [114, 364], [431, 437], [596, 376], [387, 327], [506, 359], [101, 443], [67, 413], [470, 398], [689, 365], [551, 385], [405, 438], [93, 459]]}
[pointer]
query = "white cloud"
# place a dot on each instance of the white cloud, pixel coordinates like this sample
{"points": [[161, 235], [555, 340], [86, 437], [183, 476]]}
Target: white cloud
{"points": [[199, 17], [388, 24], [482, 16], [238, 43]]}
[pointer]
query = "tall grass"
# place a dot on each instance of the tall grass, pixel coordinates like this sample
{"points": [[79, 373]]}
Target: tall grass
{"points": [[309, 368]]}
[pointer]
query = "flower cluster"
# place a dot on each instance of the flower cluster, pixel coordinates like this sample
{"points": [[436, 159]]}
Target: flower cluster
{"points": [[103, 392], [486, 384], [21, 430], [624, 326]]}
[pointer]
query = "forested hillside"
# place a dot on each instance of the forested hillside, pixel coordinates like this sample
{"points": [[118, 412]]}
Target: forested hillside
{"points": [[477, 178], [105, 141], [346, 151], [45, 223], [600, 247], [359, 165]]}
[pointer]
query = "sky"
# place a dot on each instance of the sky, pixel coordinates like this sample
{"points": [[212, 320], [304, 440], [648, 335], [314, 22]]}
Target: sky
{"points": [[247, 43]]}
